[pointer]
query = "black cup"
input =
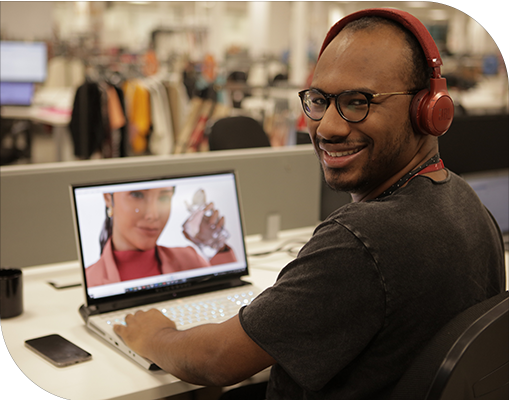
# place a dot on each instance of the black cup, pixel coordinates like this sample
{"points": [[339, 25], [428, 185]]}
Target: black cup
{"points": [[11, 293]]}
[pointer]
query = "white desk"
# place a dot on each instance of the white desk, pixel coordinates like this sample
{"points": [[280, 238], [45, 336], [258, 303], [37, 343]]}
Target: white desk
{"points": [[109, 375]]}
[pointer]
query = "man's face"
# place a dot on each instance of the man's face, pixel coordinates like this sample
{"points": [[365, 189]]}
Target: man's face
{"points": [[359, 157]]}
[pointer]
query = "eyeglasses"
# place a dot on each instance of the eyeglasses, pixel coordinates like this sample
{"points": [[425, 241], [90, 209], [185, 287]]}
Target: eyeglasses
{"points": [[353, 106]]}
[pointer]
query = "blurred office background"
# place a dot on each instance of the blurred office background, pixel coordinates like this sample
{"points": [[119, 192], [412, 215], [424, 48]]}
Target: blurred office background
{"points": [[118, 79]]}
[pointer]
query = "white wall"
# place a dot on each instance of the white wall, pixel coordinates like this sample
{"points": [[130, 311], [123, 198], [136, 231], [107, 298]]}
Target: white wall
{"points": [[20, 20]]}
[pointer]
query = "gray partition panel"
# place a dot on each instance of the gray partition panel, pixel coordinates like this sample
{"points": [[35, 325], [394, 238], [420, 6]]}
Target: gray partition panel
{"points": [[36, 219]]}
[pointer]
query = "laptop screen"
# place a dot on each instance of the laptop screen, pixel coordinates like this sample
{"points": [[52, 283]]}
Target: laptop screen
{"points": [[157, 235]]}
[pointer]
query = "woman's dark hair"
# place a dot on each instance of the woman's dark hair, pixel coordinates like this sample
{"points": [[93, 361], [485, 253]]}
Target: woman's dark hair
{"points": [[106, 232]]}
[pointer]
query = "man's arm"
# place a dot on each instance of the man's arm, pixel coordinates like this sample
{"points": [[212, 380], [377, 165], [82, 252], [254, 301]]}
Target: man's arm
{"points": [[210, 355]]}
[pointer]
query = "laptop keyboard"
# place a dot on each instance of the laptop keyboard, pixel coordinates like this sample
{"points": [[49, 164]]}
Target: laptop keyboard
{"points": [[199, 309]]}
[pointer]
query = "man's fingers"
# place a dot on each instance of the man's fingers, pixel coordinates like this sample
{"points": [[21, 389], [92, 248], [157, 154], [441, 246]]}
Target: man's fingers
{"points": [[119, 329]]}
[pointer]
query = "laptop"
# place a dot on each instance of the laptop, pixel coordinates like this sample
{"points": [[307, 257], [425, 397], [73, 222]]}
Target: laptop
{"points": [[194, 266]]}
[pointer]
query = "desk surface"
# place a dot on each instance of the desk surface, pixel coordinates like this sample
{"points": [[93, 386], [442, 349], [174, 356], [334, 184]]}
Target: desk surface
{"points": [[110, 375], [45, 115], [52, 106]]}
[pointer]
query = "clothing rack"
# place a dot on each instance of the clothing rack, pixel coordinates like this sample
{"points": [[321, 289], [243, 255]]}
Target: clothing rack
{"points": [[157, 114]]}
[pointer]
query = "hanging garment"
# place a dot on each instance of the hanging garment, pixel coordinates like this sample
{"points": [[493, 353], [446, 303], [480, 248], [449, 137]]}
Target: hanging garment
{"points": [[87, 126], [197, 135], [117, 119], [139, 115], [123, 130], [115, 111], [161, 139], [179, 104], [189, 126], [106, 145]]}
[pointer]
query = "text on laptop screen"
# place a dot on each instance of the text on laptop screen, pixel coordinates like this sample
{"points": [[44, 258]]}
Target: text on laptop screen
{"points": [[145, 235]]}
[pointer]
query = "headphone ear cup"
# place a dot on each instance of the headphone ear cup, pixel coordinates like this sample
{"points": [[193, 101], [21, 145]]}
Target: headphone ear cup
{"points": [[415, 111], [432, 111], [439, 113]]}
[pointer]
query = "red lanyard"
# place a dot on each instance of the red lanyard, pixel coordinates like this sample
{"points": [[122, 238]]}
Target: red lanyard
{"points": [[406, 178], [431, 168]]}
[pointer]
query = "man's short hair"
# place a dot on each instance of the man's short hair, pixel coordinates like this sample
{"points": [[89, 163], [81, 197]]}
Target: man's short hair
{"points": [[416, 70]]}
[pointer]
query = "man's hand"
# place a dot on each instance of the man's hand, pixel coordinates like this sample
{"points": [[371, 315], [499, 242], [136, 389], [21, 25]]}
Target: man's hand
{"points": [[210, 355], [141, 329]]}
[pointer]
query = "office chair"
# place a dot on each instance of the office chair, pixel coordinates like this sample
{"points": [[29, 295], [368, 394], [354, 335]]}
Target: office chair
{"points": [[237, 132], [466, 360], [15, 140]]}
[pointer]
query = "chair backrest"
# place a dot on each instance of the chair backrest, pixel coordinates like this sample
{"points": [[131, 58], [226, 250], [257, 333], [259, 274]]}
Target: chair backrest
{"points": [[466, 360], [239, 132]]}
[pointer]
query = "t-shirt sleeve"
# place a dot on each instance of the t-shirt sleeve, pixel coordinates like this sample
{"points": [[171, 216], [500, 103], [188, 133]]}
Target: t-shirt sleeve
{"points": [[323, 310]]}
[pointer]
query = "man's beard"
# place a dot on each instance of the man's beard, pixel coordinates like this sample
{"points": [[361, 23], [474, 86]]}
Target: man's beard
{"points": [[338, 186], [369, 175]]}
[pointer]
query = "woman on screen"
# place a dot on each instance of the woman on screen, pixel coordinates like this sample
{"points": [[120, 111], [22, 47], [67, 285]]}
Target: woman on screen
{"points": [[134, 221]]}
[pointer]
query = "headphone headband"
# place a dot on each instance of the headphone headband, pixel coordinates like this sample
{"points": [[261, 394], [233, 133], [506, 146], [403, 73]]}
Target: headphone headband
{"points": [[407, 20]]}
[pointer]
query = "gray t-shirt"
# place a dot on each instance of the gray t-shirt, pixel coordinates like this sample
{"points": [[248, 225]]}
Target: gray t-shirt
{"points": [[375, 282]]}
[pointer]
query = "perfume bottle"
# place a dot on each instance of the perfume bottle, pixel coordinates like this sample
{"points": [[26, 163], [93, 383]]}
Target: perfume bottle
{"points": [[204, 227]]}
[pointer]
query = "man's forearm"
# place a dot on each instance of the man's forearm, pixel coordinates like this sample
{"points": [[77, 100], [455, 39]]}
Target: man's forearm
{"points": [[213, 354], [193, 356]]}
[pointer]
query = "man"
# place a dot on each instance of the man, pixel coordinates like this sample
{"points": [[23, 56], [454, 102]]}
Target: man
{"points": [[381, 275]]}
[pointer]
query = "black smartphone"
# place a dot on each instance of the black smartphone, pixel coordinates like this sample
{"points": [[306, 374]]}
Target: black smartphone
{"points": [[57, 350]]}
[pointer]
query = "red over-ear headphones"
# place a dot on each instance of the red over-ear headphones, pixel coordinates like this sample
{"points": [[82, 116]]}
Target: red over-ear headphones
{"points": [[431, 109]]}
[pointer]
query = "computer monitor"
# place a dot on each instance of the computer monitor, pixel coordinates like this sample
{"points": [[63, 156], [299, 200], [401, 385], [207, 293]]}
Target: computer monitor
{"points": [[476, 143], [493, 190], [23, 61], [16, 93]]}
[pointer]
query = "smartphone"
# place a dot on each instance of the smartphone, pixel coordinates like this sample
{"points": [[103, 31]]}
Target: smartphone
{"points": [[57, 350]]}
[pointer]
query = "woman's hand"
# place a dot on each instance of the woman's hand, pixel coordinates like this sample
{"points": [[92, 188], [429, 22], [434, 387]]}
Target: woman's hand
{"points": [[205, 228]]}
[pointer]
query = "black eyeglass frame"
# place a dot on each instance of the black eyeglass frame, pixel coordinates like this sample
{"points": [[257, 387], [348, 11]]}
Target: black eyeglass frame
{"points": [[328, 96]]}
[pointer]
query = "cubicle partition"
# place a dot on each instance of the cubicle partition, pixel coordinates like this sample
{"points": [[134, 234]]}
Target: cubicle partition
{"points": [[476, 143], [281, 186]]}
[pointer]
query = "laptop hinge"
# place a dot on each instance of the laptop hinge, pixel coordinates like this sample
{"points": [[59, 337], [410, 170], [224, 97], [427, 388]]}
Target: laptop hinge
{"points": [[87, 311]]}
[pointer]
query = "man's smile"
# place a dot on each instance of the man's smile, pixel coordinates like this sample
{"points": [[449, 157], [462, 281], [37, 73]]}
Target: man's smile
{"points": [[339, 155], [342, 153]]}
